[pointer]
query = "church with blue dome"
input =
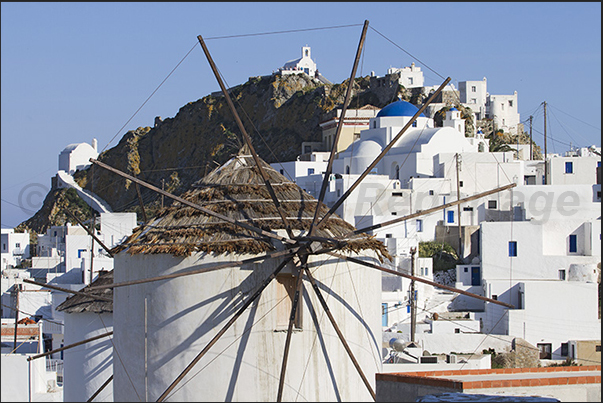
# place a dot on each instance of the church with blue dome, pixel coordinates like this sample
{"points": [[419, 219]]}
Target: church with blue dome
{"points": [[412, 154], [399, 108]]}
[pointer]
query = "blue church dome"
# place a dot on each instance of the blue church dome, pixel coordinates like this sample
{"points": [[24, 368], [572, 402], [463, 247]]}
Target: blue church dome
{"points": [[399, 108], [453, 109]]}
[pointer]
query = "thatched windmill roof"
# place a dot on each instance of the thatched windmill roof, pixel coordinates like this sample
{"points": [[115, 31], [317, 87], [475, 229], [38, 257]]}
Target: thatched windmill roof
{"points": [[236, 190], [81, 303]]}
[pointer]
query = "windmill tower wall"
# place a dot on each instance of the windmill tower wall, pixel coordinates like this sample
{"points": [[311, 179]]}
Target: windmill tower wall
{"points": [[87, 367], [183, 314]]}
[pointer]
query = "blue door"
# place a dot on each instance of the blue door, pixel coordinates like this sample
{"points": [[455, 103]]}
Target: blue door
{"points": [[384, 315], [475, 276]]}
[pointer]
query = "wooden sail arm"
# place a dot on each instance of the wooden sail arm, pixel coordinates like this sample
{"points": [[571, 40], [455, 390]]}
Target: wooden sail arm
{"points": [[325, 180], [419, 279], [368, 170], [83, 294], [339, 334], [79, 343], [286, 253], [213, 341], [247, 139], [89, 231], [294, 307], [193, 205], [99, 390], [431, 210]]}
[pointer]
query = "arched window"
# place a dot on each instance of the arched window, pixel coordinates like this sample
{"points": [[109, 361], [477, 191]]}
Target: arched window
{"points": [[347, 169], [397, 172]]}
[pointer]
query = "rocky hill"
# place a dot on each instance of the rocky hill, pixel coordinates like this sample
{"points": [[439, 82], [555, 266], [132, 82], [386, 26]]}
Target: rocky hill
{"points": [[279, 113]]}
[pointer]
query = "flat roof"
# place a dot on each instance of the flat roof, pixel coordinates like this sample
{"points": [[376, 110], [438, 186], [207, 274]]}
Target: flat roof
{"points": [[499, 378]]}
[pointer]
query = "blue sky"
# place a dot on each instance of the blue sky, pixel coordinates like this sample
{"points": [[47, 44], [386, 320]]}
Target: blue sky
{"points": [[76, 71]]}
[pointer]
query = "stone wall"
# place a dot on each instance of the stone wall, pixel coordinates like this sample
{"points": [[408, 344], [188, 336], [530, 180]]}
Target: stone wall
{"points": [[522, 355]]}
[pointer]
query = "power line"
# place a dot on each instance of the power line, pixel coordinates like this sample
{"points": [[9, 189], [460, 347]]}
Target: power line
{"points": [[573, 117], [147, 100], [403, 50], [281, 32]]}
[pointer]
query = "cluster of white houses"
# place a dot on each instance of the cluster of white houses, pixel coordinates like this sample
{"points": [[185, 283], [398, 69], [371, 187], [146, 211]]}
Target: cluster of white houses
{"points": [[518, 244], [536, 246]]}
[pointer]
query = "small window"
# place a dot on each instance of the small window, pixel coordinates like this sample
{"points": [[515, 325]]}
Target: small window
{"points": [[598, 348], [495, 297], [310, 171], [467, 208], [512, 248], [282, 171], [457, 330], [460, 184], [3, 246], [491, 204], [431, 192], [466, 270], [394, 213], [564, 349], [561, 274], [398, 194], [388, 235], [510, 103], [17, 245], [473, 88], [414, 124], [450, 217], [573, 243], [569, 167], [422, 271], [419, 224], [545, 350], [427, 271]]}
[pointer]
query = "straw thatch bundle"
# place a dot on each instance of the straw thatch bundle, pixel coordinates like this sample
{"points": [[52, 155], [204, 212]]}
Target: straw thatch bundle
{"points": [[237, 190], [79, 303]]}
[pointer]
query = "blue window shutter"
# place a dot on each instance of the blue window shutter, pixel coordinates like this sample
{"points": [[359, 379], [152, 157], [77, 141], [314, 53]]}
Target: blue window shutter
{"points": [[512, 248], [573, 243], [569, 167], [450, 216]]}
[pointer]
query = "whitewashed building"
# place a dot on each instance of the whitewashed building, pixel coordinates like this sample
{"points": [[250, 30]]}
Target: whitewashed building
{"points": [[304, 64], [15, 247], [410, 77], [77, 156], [64, 252]]}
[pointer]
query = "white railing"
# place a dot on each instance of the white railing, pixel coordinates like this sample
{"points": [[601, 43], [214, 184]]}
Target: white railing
{"points": [[54, 365]]}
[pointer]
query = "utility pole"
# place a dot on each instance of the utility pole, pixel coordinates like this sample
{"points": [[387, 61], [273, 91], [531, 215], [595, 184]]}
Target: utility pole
{"points": [[531, 154], [93, 229], [17, 289], [458, 192], [413, 303], [546, 170]]}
